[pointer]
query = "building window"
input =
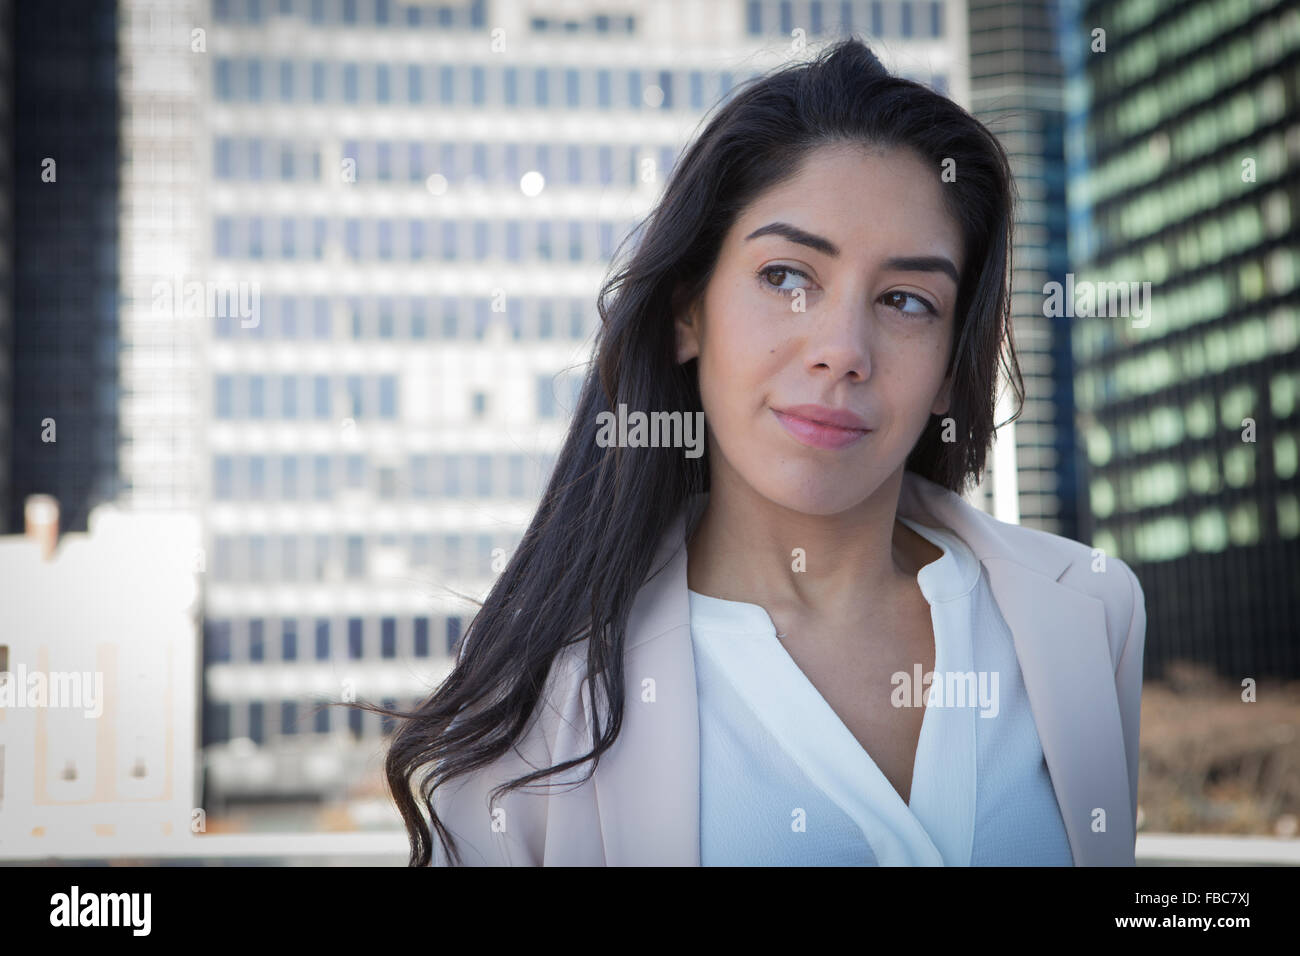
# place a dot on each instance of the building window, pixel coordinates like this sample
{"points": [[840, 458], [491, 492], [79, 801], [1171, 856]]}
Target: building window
{"points": [[216, 723], [322, 639], [450, 318], [225, 88], [451, 476], [386, 723], [321, 396], [448, 251], [321, 489], [510, 86], [353, 384], [225, 397], [289, 397], [388, 637], [516, 476], [255, 238], [223, 560], [514, 240], [355, 633], [420, 476], [216, 643], [223, 477], [541, 92], [387, 396], [352, 237], [257, 640], [356, 556], [257, 477], [256, 396], [254, 159], [419, 319], [288, 477], [421, 637], [634, 92], [545, 397], [256, 732], [223, 163], [289, 640], [289, 557], [286, 81], [446, 85], [288, 717], [224, 241], [666, 86], [575, 242], [355, 475]]}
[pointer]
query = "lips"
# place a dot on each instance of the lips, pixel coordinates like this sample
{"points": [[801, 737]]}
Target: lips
{"points": [[820, 434], [821, 415]]}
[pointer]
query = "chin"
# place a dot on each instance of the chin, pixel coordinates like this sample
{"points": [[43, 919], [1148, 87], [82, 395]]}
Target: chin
{"points": [[818, 495]]}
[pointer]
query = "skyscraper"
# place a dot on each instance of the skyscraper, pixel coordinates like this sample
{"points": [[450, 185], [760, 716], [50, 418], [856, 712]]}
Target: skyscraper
{"points": [[1017, 90], [63, 431], [1184, 146]]}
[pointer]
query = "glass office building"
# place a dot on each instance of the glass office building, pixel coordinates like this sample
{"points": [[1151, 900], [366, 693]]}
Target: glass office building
{"points": [[1017, 90], [59, 395], [1184, 145]]}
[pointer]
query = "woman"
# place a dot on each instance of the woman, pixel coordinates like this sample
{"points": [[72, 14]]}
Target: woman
{"points": [[817, 651]]}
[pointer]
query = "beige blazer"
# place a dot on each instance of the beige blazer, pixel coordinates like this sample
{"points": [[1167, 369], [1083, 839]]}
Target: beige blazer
{"points": [[1079, 629]]}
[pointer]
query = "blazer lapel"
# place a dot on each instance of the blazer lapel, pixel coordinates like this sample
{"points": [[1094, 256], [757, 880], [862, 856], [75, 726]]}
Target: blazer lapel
{"points": [[1059, 634], [648, 784]]}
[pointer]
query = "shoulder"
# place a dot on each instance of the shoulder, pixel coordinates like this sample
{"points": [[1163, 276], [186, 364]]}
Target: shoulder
{"points": [[1093, 572], [1087, 569]]}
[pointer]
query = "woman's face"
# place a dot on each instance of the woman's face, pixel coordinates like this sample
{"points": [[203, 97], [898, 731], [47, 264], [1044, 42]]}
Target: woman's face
{"points": [[836, 289]]}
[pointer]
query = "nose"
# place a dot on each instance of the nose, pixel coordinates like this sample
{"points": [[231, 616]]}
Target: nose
{"points": [[839, 341]]}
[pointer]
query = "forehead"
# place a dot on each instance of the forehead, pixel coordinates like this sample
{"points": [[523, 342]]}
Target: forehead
{"points": [[867, 201]]}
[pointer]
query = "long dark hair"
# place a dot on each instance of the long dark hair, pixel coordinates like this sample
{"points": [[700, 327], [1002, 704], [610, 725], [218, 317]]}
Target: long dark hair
{"points": [[588, 548]]}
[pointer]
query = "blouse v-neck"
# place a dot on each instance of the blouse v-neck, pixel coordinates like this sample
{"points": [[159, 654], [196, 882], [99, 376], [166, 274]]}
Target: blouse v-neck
{"points": [[935, 826]]}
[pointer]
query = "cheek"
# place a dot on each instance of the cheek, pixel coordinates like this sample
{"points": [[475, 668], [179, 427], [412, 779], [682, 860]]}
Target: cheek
{"points": [[743, 346]]}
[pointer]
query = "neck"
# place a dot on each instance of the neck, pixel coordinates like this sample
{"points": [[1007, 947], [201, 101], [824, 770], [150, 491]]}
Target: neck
{"points": [[833, 567]]}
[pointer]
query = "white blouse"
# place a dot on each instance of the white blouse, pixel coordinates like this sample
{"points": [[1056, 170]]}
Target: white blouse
{"points": [[783, 782]]}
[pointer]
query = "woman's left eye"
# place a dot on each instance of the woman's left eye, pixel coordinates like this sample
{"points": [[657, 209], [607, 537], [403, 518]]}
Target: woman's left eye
{"points": [[782, 272], [925, 306]]}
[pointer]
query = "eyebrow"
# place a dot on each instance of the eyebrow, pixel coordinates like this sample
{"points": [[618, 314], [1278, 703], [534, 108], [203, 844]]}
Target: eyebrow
{"points": [[826, 247]]}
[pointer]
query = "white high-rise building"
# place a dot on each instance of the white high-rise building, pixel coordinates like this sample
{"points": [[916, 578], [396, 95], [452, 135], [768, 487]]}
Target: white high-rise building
{"points": [[416, 203]]}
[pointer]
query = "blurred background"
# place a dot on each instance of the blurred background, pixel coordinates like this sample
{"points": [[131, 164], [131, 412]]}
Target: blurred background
{"points": [[295, 296]]}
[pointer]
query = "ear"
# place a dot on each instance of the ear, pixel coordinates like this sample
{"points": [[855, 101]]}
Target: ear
{"points": [[943, 400], [687, 328]]}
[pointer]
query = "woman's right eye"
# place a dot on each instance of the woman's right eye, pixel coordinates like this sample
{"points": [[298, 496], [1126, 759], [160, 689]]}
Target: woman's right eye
{"points": [[781, 273]]}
